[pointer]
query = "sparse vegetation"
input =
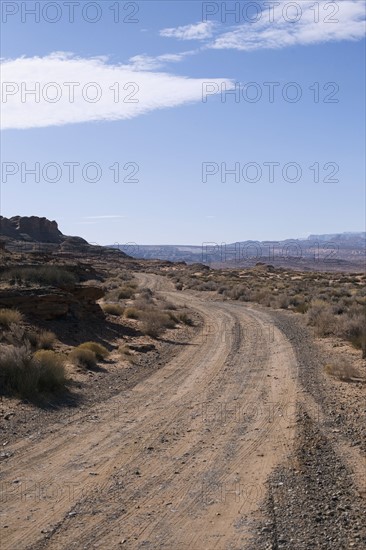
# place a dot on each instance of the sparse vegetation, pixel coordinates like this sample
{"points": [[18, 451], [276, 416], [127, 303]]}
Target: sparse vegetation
{"points": [[49, 275], [155, 322], [10, 316], [44, 339], [83, 358], [334, 304], [131, 313], [185, 319], [27, 375], [126, 292], [100, 351], [113, 309], [51, 366], [343, 371], [125, 353]]}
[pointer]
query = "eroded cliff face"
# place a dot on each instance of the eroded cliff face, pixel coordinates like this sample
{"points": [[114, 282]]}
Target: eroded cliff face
{"points": [[53, 303], [31, 228]]}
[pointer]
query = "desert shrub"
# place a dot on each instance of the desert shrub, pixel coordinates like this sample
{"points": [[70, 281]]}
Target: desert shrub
{"points": [[51, 275], [354, 329], [27, 375], [126, 292], [32, 336], [131, 313], [52, 374], [343, 370], [262, 297], [222, 289], [113, 309], [112, 295], [100, 351], [282, 301], [164, 304], [18, 373], [155, 322], [14, 334], [125, 353], [83, 357], [179, 286], [302, 307], [146, 295], [207, 286], [173, 317], [124, 275], [141, 304], [9, 316], [321, 317], [185, 319], [44, 339]]}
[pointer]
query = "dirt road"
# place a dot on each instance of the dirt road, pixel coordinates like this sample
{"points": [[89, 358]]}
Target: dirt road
{"points": [[179, 462]]}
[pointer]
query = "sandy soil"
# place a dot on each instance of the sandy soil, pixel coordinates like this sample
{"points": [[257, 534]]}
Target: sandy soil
{"points": [[179, 461]]}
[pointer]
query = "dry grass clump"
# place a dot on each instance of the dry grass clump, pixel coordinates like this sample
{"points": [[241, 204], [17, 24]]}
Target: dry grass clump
{"points": [[52, 374], [44, 339], [131, 313], [112, 309], [126, 292], [343, 370], [27, 375], [141, 304], [125, 353], [185, 319], [10, 316], [155, 322], [100, 351], [83, 358]]}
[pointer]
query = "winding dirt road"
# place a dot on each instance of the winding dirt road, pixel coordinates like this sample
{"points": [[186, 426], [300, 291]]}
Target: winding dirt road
{"points": [[179, 462]]}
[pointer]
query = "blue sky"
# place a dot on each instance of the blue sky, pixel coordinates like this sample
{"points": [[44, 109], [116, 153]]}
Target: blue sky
{"points": [[170, 134]]}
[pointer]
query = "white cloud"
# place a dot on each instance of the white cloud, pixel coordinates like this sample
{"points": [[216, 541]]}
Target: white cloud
{"points": [[197, 31], [140, 91], [144, 62], [277, 27], [348, 23]]}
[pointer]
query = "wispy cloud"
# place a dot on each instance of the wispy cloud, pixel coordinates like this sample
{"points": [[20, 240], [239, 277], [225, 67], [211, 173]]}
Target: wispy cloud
{"points": [[343, 20], [144, 62], [195, 31], [105, 217], [347, 24], [89, 89]]}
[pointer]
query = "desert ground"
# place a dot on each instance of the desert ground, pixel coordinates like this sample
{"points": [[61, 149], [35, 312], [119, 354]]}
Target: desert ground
{"points": [[230, 431]]}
